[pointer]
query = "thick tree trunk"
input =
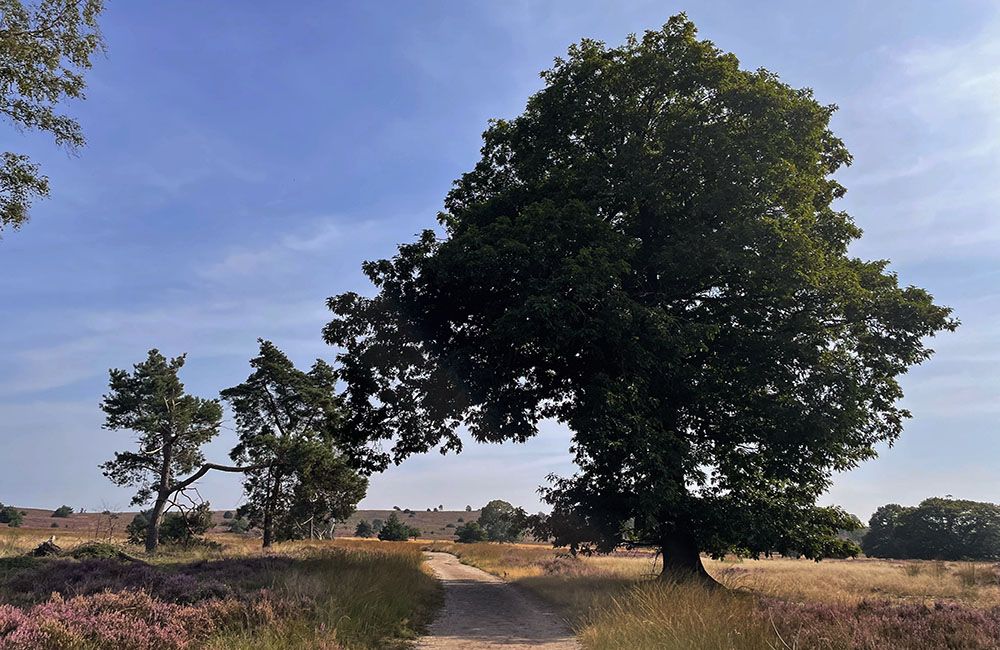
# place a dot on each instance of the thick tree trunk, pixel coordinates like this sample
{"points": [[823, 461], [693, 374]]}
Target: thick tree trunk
{"points": [[682, 560]]}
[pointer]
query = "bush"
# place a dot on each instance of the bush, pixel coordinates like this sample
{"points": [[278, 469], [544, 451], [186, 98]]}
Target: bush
{"points": [[377, 525], [175, 527], [11, 516], [239, 525], [396, 531], [227, 514], [470, 533], [363, 529], [62, 511]]}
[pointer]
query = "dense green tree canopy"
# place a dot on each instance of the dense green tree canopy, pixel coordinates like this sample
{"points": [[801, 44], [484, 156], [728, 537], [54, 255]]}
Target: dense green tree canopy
{"points": [[45, 47], [502, 522], [649, 254], [289, 423], [937, 529]]}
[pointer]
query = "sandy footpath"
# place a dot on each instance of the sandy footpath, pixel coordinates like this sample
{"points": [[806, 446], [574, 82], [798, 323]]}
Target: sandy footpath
{"points": [[482, 611]]}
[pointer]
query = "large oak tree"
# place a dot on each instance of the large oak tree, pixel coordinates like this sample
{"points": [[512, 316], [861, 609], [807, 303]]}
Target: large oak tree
{"points": [[651, 255]]}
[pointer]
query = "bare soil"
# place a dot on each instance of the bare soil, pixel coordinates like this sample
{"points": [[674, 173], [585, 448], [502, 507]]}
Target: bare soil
{"points": [[482, 611]]}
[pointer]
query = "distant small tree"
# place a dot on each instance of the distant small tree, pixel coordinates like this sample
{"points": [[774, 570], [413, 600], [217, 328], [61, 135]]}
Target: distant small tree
{"points": [[502, 522], [228, 514], [470, 533], [461, 519], [238, 525], [11, 516], [363, 529], [440, 507], [62, 511], [468, 508], [394, 530], [413, 532], [377, 525], [428, 510], [395, 508]]}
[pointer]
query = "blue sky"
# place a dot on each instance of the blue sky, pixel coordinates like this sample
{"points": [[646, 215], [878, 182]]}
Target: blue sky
{"points": [[244, 158]]}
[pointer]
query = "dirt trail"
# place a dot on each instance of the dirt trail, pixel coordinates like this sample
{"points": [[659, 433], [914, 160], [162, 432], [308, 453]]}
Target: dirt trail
{"points": [[483, 611]]}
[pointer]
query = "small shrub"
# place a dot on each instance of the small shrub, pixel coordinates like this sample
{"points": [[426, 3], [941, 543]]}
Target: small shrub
{"points": [[227, 514], [62, 511], [470, 533], [363, 529]]}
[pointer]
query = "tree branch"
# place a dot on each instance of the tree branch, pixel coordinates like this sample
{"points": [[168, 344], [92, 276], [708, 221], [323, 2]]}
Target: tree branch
{"points": [[207, 467]]}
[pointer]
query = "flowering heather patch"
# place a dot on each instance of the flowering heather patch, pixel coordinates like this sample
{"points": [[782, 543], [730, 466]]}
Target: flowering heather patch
{"points": [[129, 620], [871, 625], [182, 584]]}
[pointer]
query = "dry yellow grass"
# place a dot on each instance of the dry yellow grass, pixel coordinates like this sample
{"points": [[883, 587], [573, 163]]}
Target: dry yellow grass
{"points": [[615, 602]]}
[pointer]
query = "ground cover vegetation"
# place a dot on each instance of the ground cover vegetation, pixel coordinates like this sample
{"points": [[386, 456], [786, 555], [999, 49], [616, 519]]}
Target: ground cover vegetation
{"points": [[303, 595], [616, 601]]}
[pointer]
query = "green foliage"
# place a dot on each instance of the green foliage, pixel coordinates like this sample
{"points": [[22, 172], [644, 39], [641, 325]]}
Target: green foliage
{"points": [[171, 426], [176, 528], [377, 525], [62, 511], [502, 522], [45, 47], [290, 425], [937, 529], [363, 529], [396, 531], [238, 525], [96, 550], [11, 516], [470, 533], [228, 514], [651, 255]]}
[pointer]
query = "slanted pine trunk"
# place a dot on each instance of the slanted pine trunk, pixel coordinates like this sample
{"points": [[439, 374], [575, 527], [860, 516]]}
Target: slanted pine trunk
{"points": [[162, 494], [682, 559]]}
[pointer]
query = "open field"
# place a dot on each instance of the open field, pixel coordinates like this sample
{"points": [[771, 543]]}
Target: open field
{"points": [[355, 593], [432, 525], [614, 602], [343, 594]]}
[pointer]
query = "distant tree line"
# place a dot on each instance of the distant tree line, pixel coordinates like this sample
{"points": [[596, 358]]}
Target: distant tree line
{"points": [[937, 529]]}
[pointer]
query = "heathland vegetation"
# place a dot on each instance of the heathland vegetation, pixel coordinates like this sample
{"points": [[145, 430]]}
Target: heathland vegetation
{"points": [[650, 254]]}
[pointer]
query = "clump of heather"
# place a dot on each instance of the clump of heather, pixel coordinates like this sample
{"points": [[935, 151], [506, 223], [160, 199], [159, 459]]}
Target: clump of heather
{"points": [[882, 624], [132, 620], [183, 584]]}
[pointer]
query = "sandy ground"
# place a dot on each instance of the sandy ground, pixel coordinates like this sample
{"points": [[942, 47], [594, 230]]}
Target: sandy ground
{"points": [[483, 611]]}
